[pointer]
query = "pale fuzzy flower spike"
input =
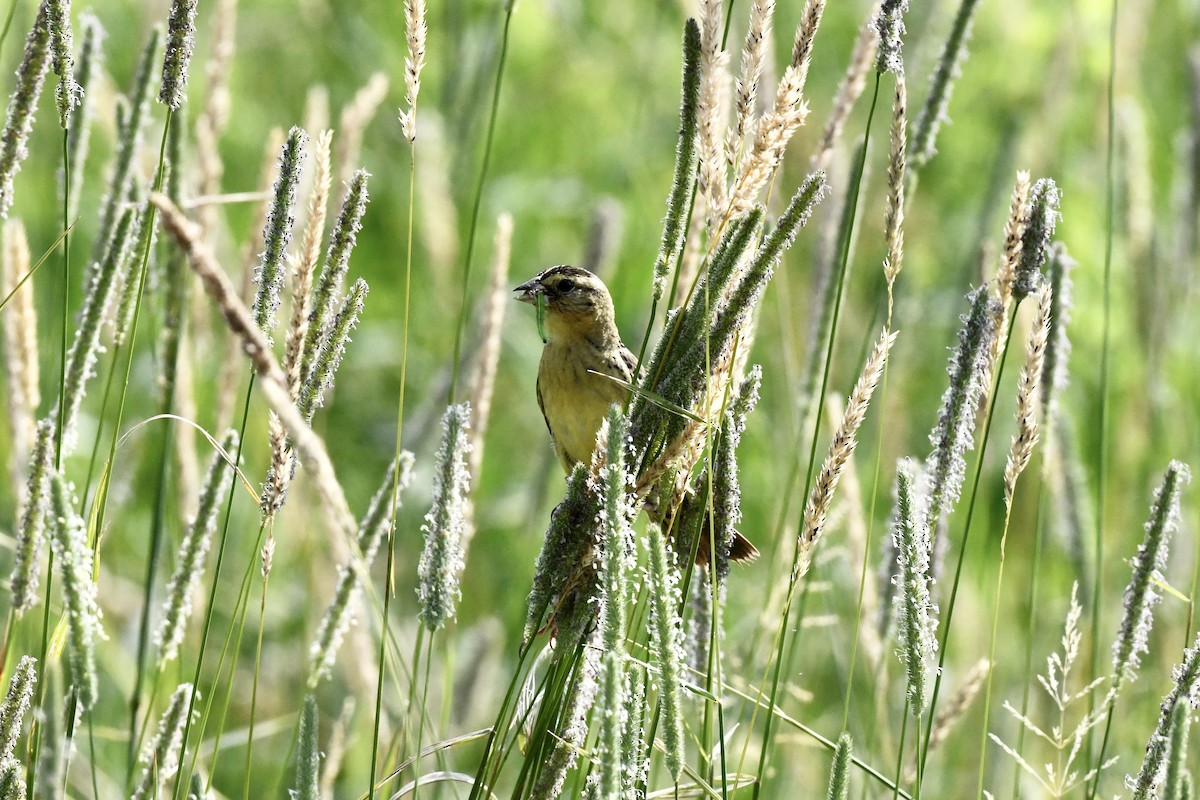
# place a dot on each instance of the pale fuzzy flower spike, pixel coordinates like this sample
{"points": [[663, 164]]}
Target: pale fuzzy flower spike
{"points": [[193, 551], [342, 240], [415, 31], [839, 772], [845, 439], [31, 75], [1058, 344], [1141, 594], [18, 329], [181, 38], [16, 703], [915, 611], [26, 559], [328, 358], [160, 756], [68, 94], [74, 559], [1186, 678], [1041, 216], [1027, 396], [941, 83], [946, 467], [727, 492], [86, 347], [666, 646], [445, 525], [278, 232], [371, 530], [890, 26], [616, 540], [675, 223], [616, 563]]}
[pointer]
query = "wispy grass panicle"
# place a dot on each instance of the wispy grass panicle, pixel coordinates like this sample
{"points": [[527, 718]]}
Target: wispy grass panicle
{"points": [[889, 24], [160, 755], [841, 447], [675, 224], [18, 121], [1014, 242], [666, 646], [445, 525], [337, 261], [16, 704], [68, 94], [853, 82], [1058, 344], [1028, 386], [1142, 592], [86, 347], [278, 231], [945, 469], [778, 125], [893, 219], [941, 84], [32, 527], [839, 771], [916, 613], [415, 31], [73, 558], [711, 179], [1186, 678], [1041, 216], [181, 38], [308, 754], [193, 552], [754, 53], [328, 358], [18, 323], [371, 529], [305, 265]]}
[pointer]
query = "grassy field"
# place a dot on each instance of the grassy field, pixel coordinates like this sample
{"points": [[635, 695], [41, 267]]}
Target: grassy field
{"points": [[1010, 611]]}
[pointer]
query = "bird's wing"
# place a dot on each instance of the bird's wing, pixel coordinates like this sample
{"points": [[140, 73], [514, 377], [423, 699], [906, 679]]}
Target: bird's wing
{"points": [[624, 364], [542, 406]]}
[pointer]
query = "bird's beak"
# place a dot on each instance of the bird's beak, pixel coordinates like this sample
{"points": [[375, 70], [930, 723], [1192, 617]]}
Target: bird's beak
{"points": [[530, 290]]}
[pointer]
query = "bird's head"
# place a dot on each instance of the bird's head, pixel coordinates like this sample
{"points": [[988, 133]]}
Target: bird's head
{"points": [[577, 302]]}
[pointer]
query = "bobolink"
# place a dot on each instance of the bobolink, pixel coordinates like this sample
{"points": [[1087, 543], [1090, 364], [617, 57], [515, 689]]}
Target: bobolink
{"points": [[581, 340]]}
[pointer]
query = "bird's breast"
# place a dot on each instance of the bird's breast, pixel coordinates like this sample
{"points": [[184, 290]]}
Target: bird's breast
{"points": [[574, 400]]}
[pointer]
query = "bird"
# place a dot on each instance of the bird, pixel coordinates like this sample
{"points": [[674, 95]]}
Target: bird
{"points": [[585, 368]]}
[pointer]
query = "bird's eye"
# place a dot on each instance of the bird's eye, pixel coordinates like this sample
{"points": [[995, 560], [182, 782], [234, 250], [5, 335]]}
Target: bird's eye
{"points": [[565, 285]]}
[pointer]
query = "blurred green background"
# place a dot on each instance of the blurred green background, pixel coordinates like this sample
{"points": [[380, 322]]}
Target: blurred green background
{"points": [[586, 125]]}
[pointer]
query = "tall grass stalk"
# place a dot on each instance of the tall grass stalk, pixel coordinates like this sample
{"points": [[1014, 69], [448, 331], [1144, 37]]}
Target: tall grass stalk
{"points": [[944, 639], [415, 29], [781, 633], [1019, 454]]}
